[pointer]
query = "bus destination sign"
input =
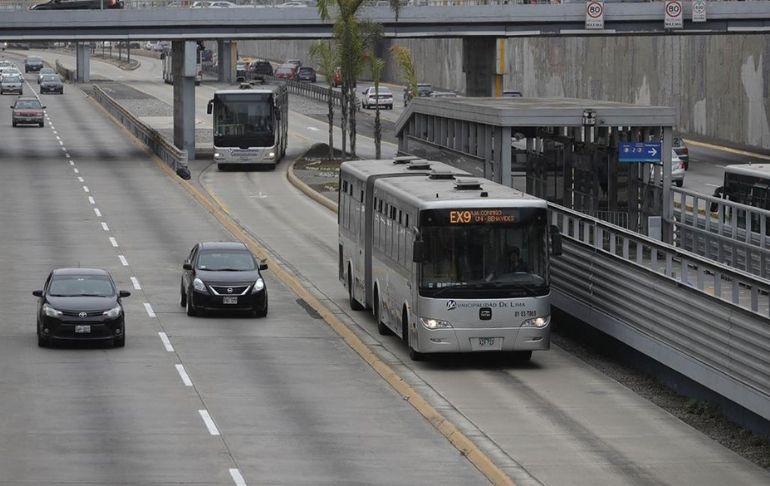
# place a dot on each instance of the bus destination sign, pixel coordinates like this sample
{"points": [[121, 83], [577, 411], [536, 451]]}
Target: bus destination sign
{"points": [[482, 216]]}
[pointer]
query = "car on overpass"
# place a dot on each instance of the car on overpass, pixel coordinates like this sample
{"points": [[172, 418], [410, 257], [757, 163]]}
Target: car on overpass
{"points": [[27, 110], [78, 5], [80, 304], [224, 276]]}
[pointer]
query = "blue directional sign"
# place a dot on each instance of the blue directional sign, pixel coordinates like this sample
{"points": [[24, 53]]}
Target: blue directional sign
{"points": [[637, 152]]}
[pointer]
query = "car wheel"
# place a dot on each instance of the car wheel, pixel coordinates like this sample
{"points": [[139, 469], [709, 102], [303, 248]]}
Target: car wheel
{"points": [[679, 183], [263, 311], [182, 296], [119, 342], [14, 124], [190, 308]]}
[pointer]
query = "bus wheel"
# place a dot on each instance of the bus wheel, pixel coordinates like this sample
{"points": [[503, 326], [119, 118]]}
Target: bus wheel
{"points": [[413, 354], [381, 327], [354, 304]]}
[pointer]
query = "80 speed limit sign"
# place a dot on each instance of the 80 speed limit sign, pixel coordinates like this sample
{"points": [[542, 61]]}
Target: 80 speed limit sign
{"points": [[595, 14], [674, 14]]}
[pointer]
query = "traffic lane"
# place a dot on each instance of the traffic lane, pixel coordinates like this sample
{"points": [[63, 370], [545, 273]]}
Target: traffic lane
{"points": [[226, 355], [79, 414], [149, 69], [615, 440]]}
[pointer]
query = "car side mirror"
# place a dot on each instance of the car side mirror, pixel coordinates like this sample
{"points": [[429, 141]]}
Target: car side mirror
{"points": [[263, 265], [37, 293], [418, 251], [43, 107], [187, 266], [124, 293], [556, 246]]}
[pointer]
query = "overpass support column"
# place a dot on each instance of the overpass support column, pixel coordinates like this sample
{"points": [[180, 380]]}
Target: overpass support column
{"points": [[484, 65], [184, 67], [226, 57], [82, 62]]}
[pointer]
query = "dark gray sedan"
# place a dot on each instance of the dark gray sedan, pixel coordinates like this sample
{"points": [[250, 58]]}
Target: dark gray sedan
{"points": [[80, 304], [51, 83]]}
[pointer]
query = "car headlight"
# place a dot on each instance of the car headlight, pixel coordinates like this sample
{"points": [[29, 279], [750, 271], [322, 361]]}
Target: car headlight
{"points": [[113, 313], [199, 285], [541, 321], [435, 323], [51, 312], [259, 285]]}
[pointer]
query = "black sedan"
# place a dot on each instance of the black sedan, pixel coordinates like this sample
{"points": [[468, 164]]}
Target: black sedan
{"points": [[80, 304], [223, 275], [33, 64], [51, 83]]}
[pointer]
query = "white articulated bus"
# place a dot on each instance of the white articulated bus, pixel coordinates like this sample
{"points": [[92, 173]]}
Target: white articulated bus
{"points": [[447, 262], [251, 126]]}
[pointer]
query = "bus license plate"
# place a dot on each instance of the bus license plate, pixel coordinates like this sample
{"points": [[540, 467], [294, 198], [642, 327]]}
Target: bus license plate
{"points": [[229, 300], [83, 329], [486, 343]]}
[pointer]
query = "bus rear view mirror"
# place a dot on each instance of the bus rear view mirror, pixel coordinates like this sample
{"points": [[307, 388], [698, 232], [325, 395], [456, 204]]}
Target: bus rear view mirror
{"points": [[555, 241], [418, 252], [718, 192], [210, 107]]}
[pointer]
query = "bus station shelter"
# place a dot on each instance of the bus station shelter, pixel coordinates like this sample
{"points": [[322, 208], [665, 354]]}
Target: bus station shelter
{"points": [[610, 160]]}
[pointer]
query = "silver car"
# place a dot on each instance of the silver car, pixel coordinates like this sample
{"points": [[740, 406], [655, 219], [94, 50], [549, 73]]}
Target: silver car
{"points": [[11, 83]]}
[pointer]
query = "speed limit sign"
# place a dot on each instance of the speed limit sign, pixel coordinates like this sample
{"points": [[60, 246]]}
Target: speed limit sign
{"points": [[594, 14], [674, 14], [699, 10]]}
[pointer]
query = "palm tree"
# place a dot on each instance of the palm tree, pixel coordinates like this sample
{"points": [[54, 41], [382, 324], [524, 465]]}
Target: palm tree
{"points": [[325, 54], [406, 64], [376, 66]]}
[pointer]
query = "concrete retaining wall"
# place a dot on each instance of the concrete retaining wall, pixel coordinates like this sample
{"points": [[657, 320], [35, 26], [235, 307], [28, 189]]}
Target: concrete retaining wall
{"points": [[718, 83]]}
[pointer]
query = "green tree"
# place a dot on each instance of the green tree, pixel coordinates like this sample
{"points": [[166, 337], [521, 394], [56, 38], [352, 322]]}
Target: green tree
{"points": [[403, 57], [325, 54], [376, 66]]}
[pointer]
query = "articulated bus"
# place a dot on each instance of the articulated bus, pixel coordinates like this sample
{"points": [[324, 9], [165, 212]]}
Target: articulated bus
{"points": [[747, 184], [251, 126], [447, 262]]}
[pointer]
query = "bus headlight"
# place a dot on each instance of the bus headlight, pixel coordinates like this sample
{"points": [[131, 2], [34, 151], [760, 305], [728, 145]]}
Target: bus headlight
{"points": [[217, 155], [435, 323], [271, 154], [541, 321]]}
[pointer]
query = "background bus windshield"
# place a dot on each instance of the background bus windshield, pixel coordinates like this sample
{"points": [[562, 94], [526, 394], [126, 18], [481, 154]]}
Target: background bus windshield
{"points": [[244, 122], [476, 260]]}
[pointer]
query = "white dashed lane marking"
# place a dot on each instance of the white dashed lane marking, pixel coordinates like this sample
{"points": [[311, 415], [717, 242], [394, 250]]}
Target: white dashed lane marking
{"points": [[105, 227], [91, 200], [237, 478], [209, 422], [85, 188], [113, 241], [76, 170], [149, 310], [72, 162], [80, 179], [123, 260], [183, 374], [166, 342], [135, 282], [98, 213]]}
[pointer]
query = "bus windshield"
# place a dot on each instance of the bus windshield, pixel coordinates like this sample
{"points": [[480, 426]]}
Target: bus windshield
{"points": [[243, 122], [482, 259]]}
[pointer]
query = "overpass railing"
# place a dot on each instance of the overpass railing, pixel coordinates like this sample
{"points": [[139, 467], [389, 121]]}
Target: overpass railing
{"points": [[732, 233], [173, 156], [701, 318], [309, 90]]}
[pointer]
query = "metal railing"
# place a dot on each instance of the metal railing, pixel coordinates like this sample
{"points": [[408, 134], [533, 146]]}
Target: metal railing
{"points": [[173, 156], [734, 234], [701, 318], [308, 90]]}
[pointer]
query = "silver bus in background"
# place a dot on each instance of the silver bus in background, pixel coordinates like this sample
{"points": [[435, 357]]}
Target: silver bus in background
{"points": [[447, 262]]}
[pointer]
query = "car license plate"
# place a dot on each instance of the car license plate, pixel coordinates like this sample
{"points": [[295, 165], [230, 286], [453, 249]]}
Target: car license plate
{"points": [[84, 329], [229, 300], [486, 343]]}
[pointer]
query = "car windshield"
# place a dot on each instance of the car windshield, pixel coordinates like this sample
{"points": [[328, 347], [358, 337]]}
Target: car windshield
{"points": [[11, 79], [222, 261], [50, 78], [27, 104], [47, 71], [81, 285], [306, 70]]}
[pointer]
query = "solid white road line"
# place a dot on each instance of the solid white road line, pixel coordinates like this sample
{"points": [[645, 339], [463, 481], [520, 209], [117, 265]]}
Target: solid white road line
{"points": [[123, 260], [85, 188], [711, 185], [183, 374], [80, 179], [209, 423], [113, 241], [97, 212], [105, 227], [91, 200], [135, 281], [149, 310], [237, 478], [166, 342]]}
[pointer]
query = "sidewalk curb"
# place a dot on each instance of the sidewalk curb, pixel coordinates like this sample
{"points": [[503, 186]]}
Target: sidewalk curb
{"points": [[309, 191]]}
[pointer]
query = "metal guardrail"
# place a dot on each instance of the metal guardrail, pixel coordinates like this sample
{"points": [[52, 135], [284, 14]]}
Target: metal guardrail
{"points": [[734, 234], [308, 90], [173, 156], [698, 317]]}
